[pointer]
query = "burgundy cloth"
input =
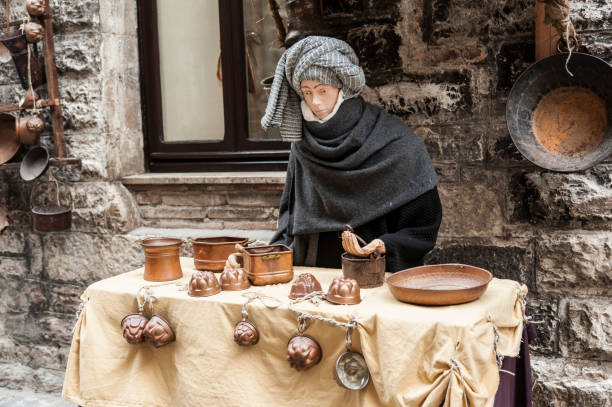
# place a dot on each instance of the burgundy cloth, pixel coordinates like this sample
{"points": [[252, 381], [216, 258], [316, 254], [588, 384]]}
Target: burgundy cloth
{"points": [[515, 391]]}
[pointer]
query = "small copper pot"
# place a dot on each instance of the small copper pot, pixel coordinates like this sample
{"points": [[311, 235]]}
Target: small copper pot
{"points": [[28, 129], [162, 259], [158, 332], [34, 32], [245, 333], [36, 8], [303, 352], [368, 271], [210, 253], [133, 326]]}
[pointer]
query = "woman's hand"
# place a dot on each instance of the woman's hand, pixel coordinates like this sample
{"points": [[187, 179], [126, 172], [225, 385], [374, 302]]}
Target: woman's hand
{"points": [[351, 245]]}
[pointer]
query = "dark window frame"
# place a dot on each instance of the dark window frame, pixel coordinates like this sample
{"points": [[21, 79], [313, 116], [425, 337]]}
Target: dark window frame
{"points": [[236, 152]]}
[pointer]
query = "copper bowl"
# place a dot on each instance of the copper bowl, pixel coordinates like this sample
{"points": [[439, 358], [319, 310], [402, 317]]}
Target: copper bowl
{"points": [[439, 284], [303, 352], [162, 259], [344, 291], [210, 253], [9, 141]]}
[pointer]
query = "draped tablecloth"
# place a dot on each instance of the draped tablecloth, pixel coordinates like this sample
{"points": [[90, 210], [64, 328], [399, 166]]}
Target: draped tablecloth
{"points": [[417, 355]]}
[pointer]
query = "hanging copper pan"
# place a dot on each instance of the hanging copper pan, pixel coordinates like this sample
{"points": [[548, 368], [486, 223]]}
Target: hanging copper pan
{"points": [[562, 122], [9, 141]]}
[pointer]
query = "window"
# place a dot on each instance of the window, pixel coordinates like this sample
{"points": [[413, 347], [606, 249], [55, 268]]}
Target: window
{"points": [[202, 64]]}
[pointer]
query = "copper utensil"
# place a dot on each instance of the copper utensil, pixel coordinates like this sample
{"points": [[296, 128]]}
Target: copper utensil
{"points": [[9, 141], [344, 291], [245, 333], [234, 279], [162, 259], [133, 326], [203, 284], [268, 264], [303, 352], [51, 218], [210, 253], [34, 32], [16, 43], [351, 371], [368, 271], [28, 129], [305, 284], [36, 8], [439, 284], [34, 163], [158, 332]]}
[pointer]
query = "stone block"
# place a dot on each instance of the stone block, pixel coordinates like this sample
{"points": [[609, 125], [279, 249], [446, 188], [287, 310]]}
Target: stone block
{"points": [[118, 17], [511, 260], [564, 383], [512, 60], [225, 212], [591, 15], [57, 330], [13, 267], [172, 212], [13, 298], [12, 241], [92, 150], [545, 312], [501, 150], [255, 198], [470, 217], [377, 47], [579, 263], [250, 225], [579, 200], [428, 98], [200, 199], [77, 54], [587, 331], [70, 16], [65, 298], [454, 143], [18, 376], [599, 44], [84, 258]]}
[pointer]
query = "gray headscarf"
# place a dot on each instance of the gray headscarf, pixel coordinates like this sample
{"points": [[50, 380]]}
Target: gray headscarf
{"points": [[323, 59]]}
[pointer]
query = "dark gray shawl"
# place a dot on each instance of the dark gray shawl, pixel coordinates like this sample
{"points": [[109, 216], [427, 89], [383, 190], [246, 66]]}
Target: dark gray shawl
{"points": [[354, 168]]}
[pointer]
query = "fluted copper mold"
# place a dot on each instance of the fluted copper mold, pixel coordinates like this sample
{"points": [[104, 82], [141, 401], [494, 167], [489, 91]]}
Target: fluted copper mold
{"points": [[245, 333], [305, 284], [303, 352], [133, 326], [234, 279], [344, 291], [158, 332], [203, 284]]}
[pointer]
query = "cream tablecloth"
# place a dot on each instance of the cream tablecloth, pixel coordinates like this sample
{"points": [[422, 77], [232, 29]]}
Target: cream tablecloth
{"points": [[417, 355]]}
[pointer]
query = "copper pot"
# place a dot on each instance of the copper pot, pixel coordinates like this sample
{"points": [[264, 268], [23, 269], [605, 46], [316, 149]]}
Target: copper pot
{"points": [[271, 264], [210, 253], [28, 129], [51, 218], [34, 32], [36, 8], [368, 271], [162, 259]]}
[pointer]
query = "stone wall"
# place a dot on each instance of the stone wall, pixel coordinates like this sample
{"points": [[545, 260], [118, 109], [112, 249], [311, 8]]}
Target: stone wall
{"points": [[443, 66]]}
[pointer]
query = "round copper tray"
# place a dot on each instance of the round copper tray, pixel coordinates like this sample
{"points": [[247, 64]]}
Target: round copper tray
{"points": [[439, 284]]}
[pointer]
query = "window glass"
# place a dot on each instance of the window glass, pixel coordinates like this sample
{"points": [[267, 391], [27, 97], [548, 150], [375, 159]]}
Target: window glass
{"points": [[262, 54], [189, 49]]}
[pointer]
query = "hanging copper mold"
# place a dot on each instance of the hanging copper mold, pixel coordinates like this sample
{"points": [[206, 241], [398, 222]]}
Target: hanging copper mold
{"points": [[303, 352], [28, 129], [158, 332], [17, 45], [34, 32], [246, 333], [133, 326]]}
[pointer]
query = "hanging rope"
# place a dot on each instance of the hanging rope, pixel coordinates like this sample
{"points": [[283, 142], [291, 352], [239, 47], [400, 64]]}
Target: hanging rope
{"points": [[558, 15], [317, 296]]}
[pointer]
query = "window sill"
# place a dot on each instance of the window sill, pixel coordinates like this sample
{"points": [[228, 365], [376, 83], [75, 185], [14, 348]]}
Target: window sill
{"points": [[207, 178]]}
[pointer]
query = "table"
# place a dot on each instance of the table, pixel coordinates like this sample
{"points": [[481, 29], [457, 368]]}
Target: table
{"points": [[417, 355]]}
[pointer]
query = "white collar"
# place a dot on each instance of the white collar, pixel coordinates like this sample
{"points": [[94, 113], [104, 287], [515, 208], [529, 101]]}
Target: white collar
{"points": [[309, 116]]}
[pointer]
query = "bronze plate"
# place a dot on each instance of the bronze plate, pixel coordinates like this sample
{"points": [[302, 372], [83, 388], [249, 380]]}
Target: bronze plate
{"points": [[439, 284]]}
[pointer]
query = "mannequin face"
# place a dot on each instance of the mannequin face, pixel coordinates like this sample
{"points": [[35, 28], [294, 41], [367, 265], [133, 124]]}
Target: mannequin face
{"points": [[319, 97]]}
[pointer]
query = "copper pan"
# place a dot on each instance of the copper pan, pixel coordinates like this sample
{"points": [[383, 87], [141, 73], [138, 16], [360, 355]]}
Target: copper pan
{"points": [[9, 141]]}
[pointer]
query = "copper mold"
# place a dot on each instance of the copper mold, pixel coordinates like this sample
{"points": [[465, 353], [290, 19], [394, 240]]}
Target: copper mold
{"points": [[562, 122], [344, 291], [351, 371], [234, 279], [271, 264], [368, 271], [305, 284], [210, 253], [439, 284], [36, 8], [162, 259], [203, 284], [158, 332], [133, 326], [51, 218], [303, 352], [245, 333]]}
